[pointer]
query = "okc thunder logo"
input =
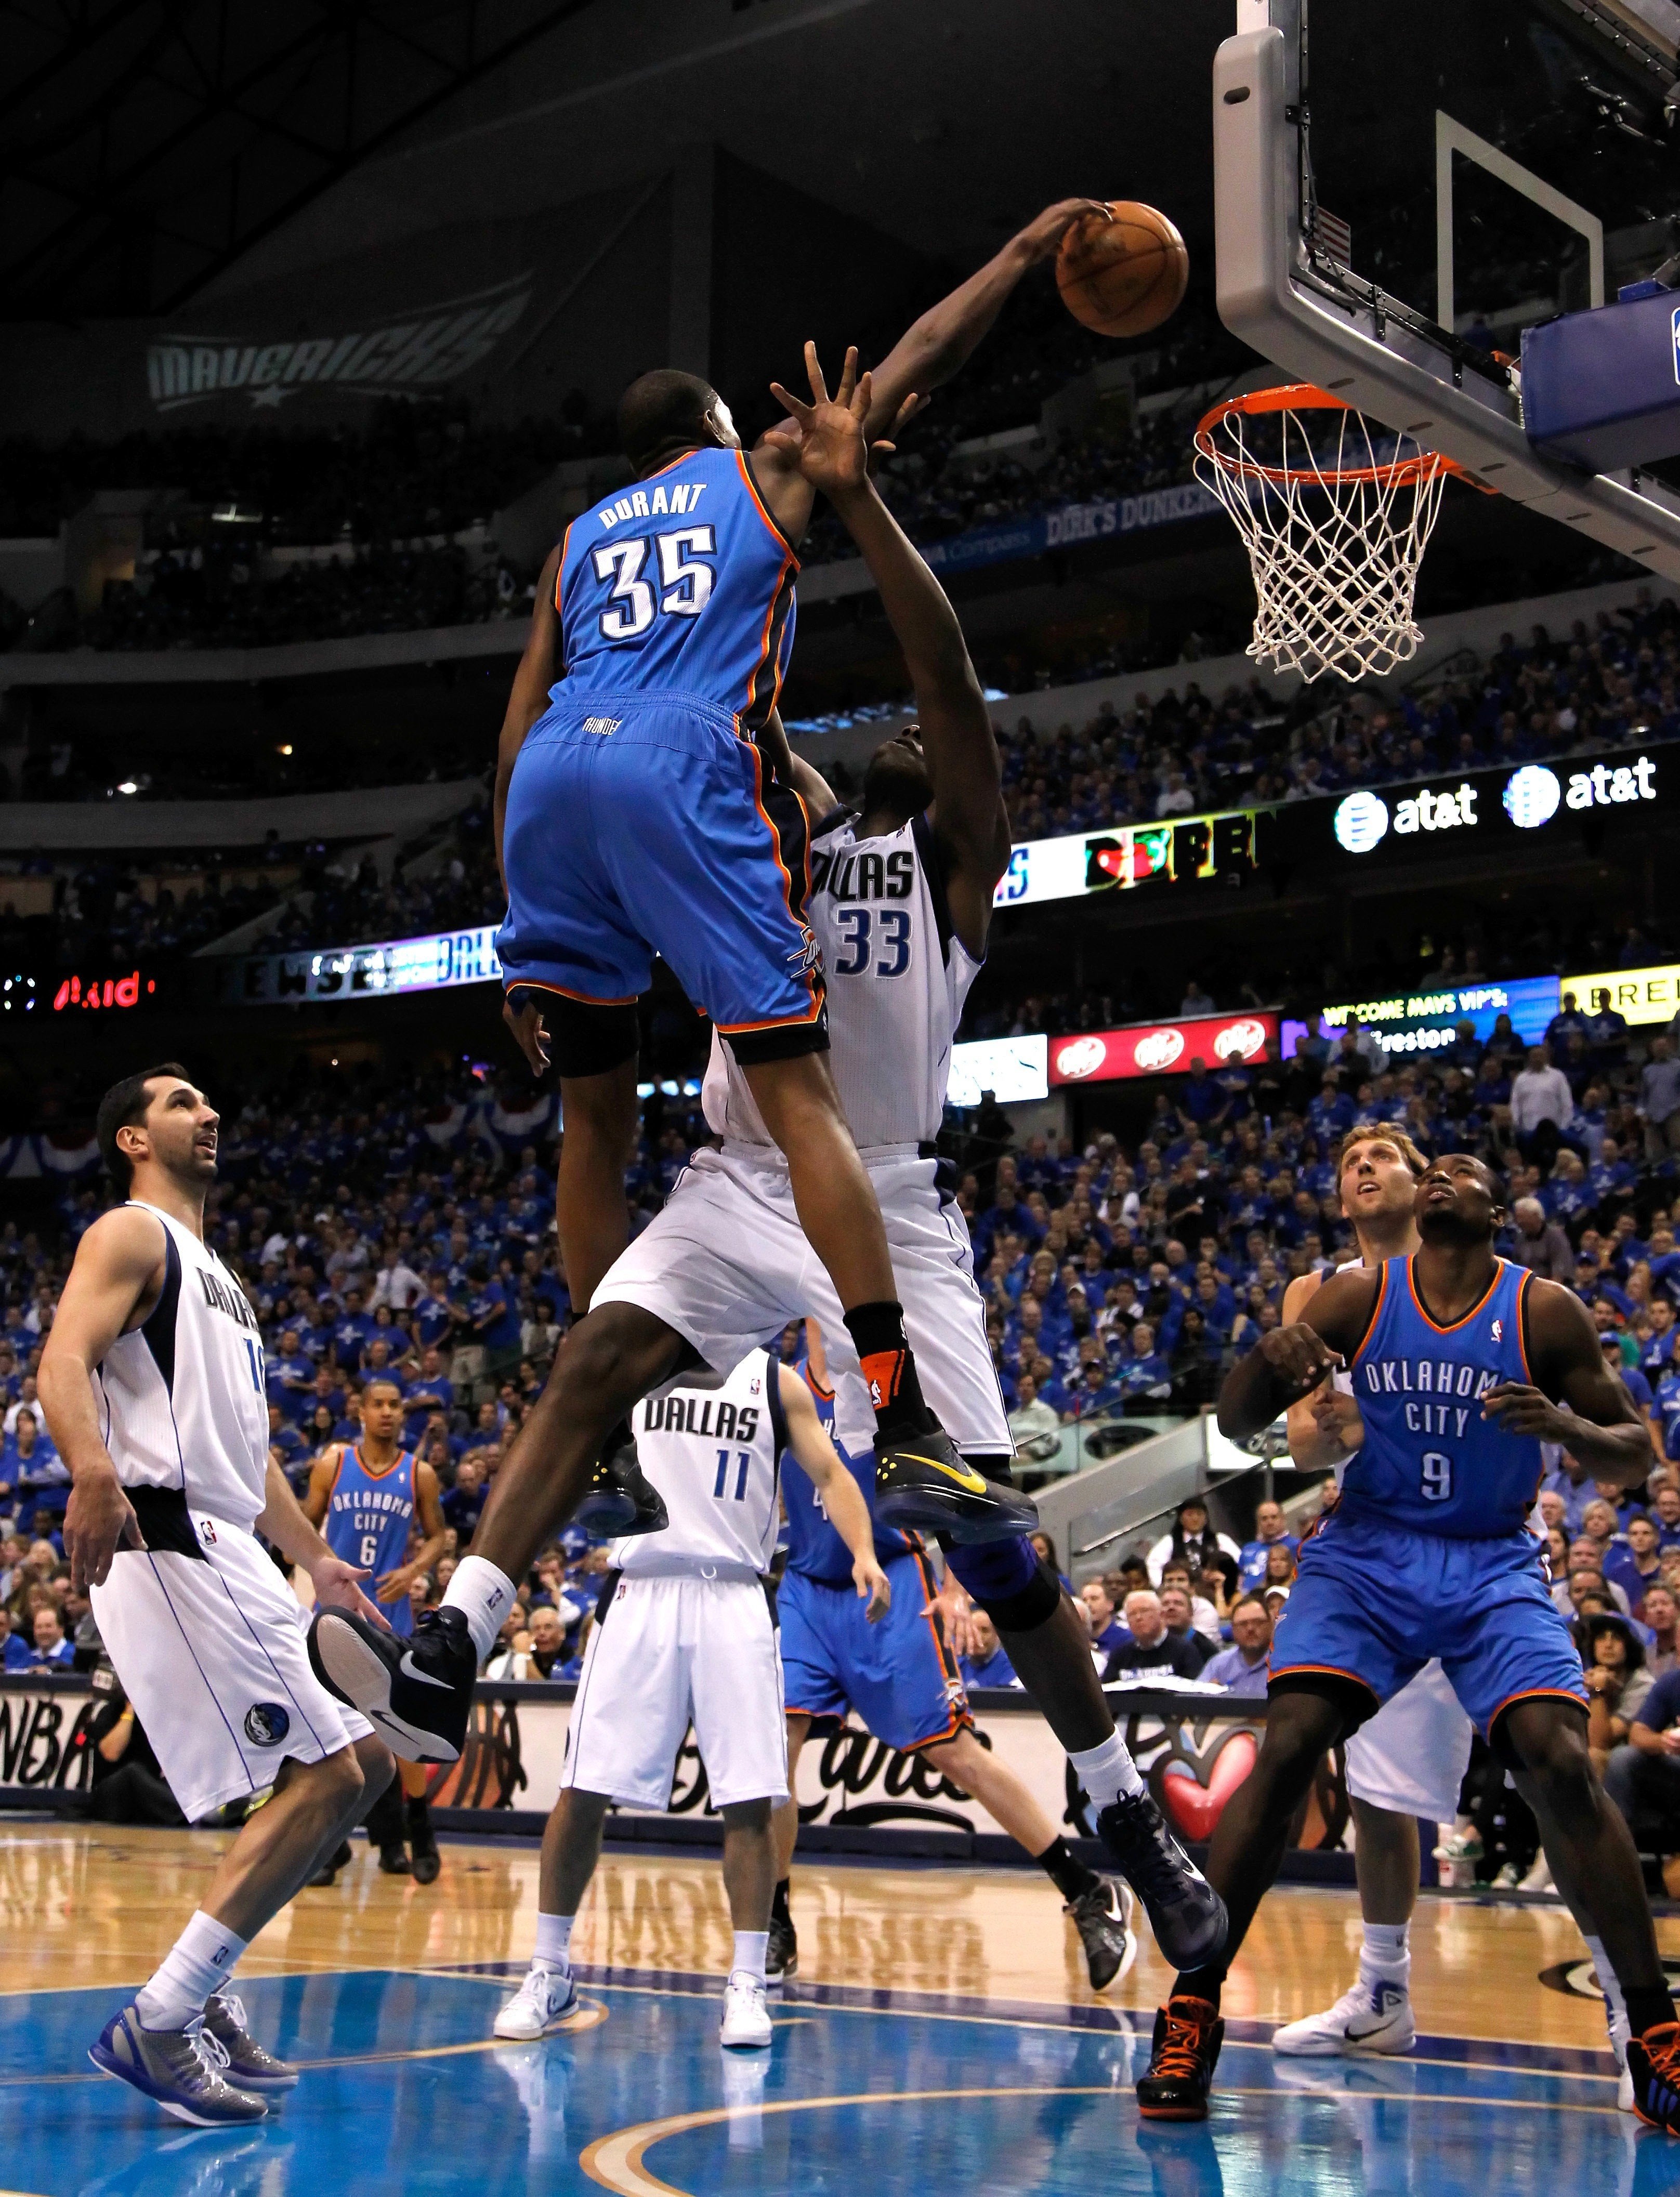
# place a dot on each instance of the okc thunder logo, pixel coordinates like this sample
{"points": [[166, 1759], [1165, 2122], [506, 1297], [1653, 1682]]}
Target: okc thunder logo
{"points": [[1499, 1331], [808, 954]]}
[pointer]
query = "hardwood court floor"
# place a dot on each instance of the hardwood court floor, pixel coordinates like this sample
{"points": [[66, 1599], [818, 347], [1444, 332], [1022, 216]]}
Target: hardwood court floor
{"points": [[941, 2031]]}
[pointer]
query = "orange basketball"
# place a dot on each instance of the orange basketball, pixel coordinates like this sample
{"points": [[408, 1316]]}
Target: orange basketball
{"points": [[1125, 276]]}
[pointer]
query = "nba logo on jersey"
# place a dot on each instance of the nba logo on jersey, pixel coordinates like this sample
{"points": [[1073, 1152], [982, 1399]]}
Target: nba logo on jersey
{"points": [[1499, 1331]]}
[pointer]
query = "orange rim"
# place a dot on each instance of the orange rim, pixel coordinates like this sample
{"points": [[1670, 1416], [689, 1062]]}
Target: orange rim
{"points": [[1307, 396]]}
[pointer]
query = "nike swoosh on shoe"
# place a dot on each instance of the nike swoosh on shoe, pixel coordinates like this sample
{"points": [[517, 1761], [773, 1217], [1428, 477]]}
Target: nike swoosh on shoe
{"points": [[410, 1669]]}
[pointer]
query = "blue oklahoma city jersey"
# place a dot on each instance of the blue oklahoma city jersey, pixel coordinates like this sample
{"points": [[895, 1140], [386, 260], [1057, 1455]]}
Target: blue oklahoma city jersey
{"points": [[682, 585], [1430, 1461], [815, 1550], [369, 1517]]}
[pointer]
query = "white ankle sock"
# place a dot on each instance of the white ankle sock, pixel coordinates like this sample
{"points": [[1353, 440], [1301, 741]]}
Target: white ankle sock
{"points": [[1384, 1953], [1106, 1772], [199, 1962], [752, 1949], [1613, 1999], [553, 1941], [484, 1595]]}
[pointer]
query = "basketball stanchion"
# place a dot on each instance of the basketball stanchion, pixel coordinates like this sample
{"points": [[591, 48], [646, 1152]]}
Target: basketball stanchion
{"points": [[1335, 511]]}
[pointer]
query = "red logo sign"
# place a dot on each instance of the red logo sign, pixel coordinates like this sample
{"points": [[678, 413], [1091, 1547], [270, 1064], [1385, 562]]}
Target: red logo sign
{"points": [[1160, 1048], [103, 991]]}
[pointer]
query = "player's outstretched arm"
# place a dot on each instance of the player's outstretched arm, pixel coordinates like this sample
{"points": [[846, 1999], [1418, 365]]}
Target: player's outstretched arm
{"points": [[539, 668], [1602, 1425], [283, 1523], [1290, 1362], [806, 780], [969, 816], [939, 343], [842, 1498], [118, 1273]]}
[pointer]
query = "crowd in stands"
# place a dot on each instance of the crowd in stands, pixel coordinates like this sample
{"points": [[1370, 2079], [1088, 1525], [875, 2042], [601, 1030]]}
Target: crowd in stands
{"points": [[326, 899], [392, 1222], [1185, 752]]}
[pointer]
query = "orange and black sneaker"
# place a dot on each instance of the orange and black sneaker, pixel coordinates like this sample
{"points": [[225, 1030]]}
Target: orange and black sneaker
{"points": [[1654, 2062], [1188, 2035]]}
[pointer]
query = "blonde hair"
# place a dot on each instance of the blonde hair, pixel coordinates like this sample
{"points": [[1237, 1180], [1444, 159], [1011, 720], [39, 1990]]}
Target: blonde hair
{"points": [[1388, 1134]]}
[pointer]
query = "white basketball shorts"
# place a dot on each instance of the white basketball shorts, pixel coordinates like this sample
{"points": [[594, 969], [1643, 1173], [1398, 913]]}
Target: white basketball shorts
{"points": [[726, 1265], [210, 1652], [1411, 1757], [671, 1651]]}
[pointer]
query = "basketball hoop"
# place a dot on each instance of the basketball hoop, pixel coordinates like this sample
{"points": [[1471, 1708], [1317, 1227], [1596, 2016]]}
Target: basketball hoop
{"points": [[1335, 510]]}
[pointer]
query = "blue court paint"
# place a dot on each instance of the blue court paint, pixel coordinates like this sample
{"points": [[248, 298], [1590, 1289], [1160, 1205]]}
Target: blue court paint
{"points": [[407, 2095]]}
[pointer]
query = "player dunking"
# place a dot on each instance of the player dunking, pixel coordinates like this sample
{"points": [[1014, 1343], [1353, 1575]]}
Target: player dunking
{"points": [[902, 1681], [152, 1380], [686, 1631], [634, 811], [724, 1267], [1460, 1362], [365, 1497]]}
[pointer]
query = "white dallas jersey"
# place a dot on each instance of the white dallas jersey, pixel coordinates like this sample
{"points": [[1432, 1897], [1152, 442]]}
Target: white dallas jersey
{"points": [[897, 978], [183, 1404], [712, 1446]]}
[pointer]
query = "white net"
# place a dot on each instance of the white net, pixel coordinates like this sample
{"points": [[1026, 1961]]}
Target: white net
{"points": [[1336, 512]]}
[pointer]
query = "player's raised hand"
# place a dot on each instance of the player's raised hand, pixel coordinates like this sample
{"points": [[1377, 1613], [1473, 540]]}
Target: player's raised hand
{"points": [[873, 1585], [833, 454], [1042, 238], [885, 447], [336, 1588], [1300, 1358]]}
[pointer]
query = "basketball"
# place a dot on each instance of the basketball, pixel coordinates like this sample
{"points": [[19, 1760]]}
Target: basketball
{"points": [[1125, 276]]}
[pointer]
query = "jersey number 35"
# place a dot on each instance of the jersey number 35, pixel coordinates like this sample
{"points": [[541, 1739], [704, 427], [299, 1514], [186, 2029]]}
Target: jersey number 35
{"points": [[685, 586]]}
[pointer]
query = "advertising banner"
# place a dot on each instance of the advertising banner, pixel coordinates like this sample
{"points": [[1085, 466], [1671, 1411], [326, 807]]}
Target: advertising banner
{"points": [[1641, 996], [1071, 524], [432, 963], [1424, 1022], [1160, 1048], [1226, 846], [1460, 813], [1014, 1069]]}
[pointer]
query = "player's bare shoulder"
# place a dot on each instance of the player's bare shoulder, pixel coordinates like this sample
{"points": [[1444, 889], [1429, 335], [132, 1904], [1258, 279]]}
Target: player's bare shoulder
{"points": [[1342, 1307], [126, 1247]]}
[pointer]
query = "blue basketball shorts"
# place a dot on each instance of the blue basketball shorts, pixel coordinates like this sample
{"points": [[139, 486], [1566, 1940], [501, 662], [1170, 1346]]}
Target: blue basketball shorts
{"points": [[898, 1675], [1375, 1602], [640, 825]]}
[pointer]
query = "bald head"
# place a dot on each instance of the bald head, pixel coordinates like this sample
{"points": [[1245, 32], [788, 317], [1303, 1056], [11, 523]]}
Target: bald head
{"points": [[666, 411]]}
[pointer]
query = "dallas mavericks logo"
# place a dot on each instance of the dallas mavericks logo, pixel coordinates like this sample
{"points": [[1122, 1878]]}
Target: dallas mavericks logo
{"points": [[266, 1724]]}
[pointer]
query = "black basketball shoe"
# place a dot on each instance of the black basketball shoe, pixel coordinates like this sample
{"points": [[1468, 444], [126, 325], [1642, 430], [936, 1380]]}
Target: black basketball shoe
{"points": [[423, 1841], [1099, 1917], [781, 1958], [415, 1693], [1654, 2062], [924, 1485], [620, 1499], [1185, 1913], [1188, 2035]]}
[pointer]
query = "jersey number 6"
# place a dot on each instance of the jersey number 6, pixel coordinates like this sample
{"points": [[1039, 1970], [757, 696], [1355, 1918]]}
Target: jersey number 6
{"points": [[686, 587]]}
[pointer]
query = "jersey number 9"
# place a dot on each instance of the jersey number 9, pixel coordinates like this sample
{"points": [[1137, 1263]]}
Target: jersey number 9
{"points": [[685, 588], [1437, 1476]]}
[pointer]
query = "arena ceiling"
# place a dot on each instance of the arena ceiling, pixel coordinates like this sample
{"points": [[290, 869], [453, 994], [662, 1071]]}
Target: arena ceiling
{"points": [[156, 151], [145, 145]]}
